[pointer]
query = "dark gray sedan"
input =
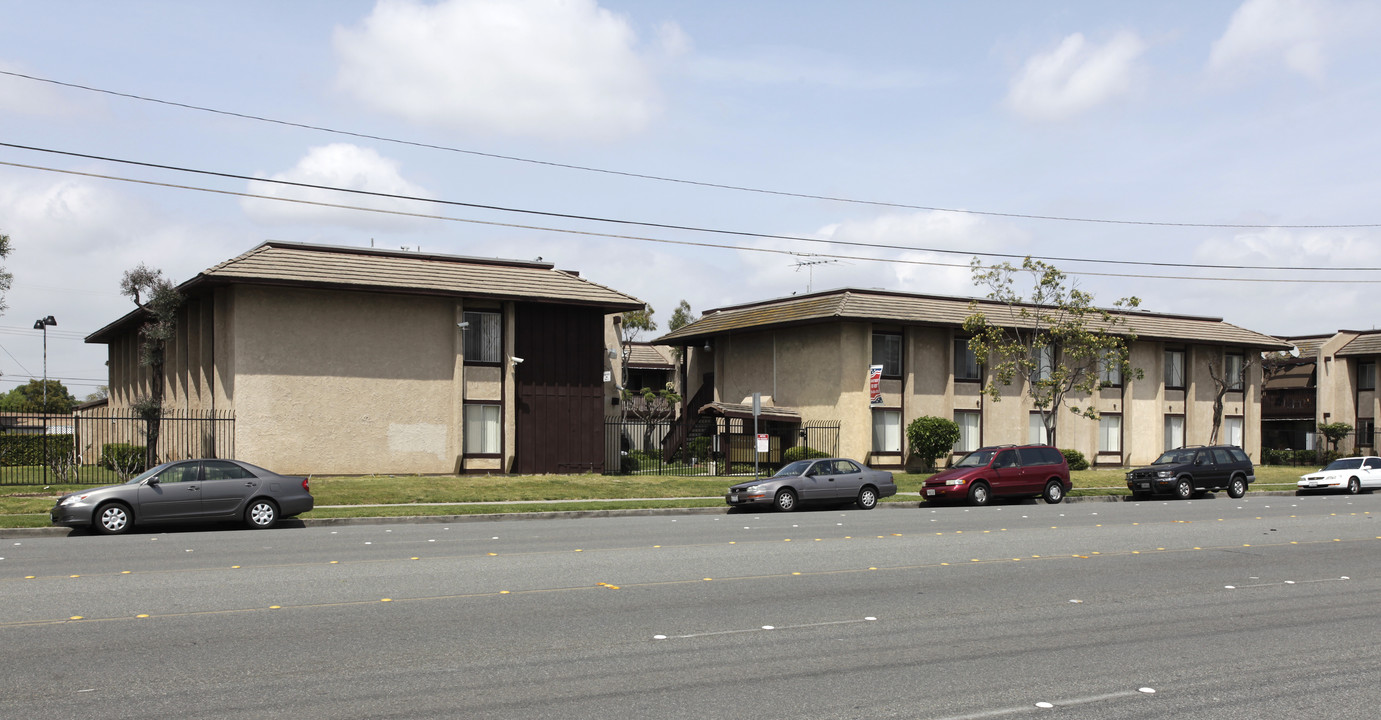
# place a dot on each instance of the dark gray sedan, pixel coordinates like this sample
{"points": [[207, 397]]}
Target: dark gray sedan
{"points": [[836, 480], [187, 490]]}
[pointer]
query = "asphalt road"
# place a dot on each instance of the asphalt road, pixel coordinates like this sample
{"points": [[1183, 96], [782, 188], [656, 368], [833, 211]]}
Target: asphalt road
{"points": [[1215, 608]]}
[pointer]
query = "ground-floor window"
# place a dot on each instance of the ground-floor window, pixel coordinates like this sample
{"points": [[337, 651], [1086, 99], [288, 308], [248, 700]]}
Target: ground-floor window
{"points": [[1232, 431], [969, 422], [1109, 433], [482, 429], [887, 431], [1174, 431], [1037, 434]]}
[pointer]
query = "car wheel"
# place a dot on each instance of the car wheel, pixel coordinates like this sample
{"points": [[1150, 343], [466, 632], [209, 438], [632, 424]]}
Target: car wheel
{"points": [[1354, 486], [1184, 489], [979, 494], [113, 518], [1237, 488], [867, 498], [261, 514], [1054, 493], [785, 501]]}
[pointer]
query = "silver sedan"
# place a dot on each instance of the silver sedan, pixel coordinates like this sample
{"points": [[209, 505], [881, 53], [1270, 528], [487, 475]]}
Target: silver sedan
{"points": [[837, 480], [187, 490]]}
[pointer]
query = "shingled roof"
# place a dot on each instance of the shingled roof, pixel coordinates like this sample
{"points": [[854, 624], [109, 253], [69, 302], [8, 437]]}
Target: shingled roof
{"points": [[909, 309], [370, 270], [1367, 343]]}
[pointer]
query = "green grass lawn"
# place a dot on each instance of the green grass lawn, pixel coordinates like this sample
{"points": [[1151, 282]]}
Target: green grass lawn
{"points": [[28, 505]]}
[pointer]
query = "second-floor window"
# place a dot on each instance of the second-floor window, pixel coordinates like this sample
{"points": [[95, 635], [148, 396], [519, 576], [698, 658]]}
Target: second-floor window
{"points": [[965, 362], [1232, 371], [1366, 376], [483, 337], [887, 353], [1174, 369], [1043, 363], [1109, 371]]}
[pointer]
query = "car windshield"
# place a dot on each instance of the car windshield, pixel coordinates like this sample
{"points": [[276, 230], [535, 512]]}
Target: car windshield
{"points": [[977, 458], [1345, 464], [1175, 457], [797, 468], [141, 477]]}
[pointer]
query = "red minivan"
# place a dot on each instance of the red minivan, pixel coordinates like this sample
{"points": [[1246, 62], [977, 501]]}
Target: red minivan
{"points": [[1003, 471]]}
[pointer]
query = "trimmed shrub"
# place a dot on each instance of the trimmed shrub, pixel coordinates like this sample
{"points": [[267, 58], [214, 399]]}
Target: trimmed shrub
{"points": [[1076, 459], [700, 448], [123, 457], [931, 437], [802, 452], [23, 450]]}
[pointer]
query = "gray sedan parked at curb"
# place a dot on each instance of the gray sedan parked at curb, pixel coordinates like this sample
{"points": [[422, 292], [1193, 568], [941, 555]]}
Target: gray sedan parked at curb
{"points": [[187, 490], [837, 480]]}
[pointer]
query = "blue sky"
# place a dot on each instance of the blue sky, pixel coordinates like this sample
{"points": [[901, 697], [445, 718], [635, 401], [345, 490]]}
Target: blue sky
{"points": [[1259, 114]]}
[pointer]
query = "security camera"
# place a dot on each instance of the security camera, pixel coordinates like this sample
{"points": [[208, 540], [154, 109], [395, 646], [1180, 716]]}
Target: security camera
{"points": [[462, 325], [517, 360]]}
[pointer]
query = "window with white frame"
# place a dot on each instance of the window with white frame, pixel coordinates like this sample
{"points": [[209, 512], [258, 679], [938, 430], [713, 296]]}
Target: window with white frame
{"points": [[1174, 431], [969, 422], [483, 337], [887, 431], [887, 353], [1174, 369], [1233, 365], [1109, 433], [482, 429], [1232, 431], [1036, 433], [965, 361]]}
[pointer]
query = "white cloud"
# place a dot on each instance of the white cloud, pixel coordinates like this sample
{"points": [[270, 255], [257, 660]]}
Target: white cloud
{"points": [[1292, 31], [1076, 77], [338, 165], [543, 68]]}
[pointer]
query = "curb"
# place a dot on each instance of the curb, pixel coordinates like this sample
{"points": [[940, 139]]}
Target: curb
{"points": [[6, 533]]}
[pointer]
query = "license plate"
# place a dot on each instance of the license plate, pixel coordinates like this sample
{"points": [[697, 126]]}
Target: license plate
{"points": [[1144, 486], [733, 498], [930, 492]]}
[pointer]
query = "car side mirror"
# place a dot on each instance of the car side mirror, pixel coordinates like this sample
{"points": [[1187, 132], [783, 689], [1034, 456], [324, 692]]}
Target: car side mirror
{"points": [[152, 481]]}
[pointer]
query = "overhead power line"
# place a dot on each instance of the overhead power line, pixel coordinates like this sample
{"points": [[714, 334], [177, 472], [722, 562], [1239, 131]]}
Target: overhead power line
{"points": [[687, 243], [666, 179], [666, 226]]}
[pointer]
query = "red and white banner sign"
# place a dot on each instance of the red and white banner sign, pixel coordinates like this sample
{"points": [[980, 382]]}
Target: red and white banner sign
{"points": [[875, 385]]}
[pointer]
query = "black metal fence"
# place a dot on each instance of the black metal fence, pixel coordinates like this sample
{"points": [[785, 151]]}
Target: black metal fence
{"points": [[106, 445], [728, 447], [1322, 451]]}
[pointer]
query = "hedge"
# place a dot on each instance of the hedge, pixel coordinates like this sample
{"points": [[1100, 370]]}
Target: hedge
{"points": [[24, 450]]}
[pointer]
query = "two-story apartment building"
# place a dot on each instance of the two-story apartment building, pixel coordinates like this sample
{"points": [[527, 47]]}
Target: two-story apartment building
{"points": [[810, 357], [355, 360], [1329, 378]]}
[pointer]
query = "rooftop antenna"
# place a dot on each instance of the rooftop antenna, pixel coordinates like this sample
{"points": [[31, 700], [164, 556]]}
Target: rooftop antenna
{"points": [[810, 269]]}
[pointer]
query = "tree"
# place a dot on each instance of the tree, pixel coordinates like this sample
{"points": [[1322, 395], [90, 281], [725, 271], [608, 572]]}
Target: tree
{"points": [[1223, 383], [160, 300], [102, 393], [29, 398], [1333, 433], [680, 317], [931, 437], [1056, 341], [635, 322], [5, 277]]}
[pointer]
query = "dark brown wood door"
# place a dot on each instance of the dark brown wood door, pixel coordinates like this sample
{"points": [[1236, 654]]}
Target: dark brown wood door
{"points": [[559, 389]]}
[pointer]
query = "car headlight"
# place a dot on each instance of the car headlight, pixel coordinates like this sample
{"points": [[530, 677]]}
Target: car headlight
{"points": [[956, 481], [1165, 473], [72, 500], [753, 489]]}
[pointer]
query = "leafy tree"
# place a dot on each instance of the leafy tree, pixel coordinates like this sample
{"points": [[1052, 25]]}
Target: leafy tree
{"points": [[29, 398], [5, 276], [1055, 341], [160, 300], [680, 317], [651, 406], [102, 392], [635, 323], [931, 437], [1334, 432]]}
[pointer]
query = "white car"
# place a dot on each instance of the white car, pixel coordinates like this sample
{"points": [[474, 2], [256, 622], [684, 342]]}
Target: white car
{"points": [[1352, 475]]}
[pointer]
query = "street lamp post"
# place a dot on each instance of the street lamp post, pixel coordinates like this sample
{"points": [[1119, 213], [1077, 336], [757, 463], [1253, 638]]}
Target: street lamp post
{"points": [[42, 324]]}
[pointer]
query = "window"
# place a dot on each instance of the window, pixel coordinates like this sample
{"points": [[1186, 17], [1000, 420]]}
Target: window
{"points": [[1174, 431], [1043, 360], [1233, 366], [1232, 431], [1110, 433], [1174, 369], [887, 353], [1366, 376], [483, 337], [185, 472], [1036, 434], [969, 424], [1366, 432], [887, 431], [965, 362], [223, 470], [1110, 371], [482, 429]]}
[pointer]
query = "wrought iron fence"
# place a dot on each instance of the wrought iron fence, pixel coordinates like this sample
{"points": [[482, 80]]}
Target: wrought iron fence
{"points": [[727, 447], [1321, 452], [105, 445]]}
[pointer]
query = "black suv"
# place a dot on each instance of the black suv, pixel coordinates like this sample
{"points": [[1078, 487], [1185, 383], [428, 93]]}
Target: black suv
{"points": [[1192, 471]]}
